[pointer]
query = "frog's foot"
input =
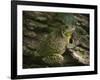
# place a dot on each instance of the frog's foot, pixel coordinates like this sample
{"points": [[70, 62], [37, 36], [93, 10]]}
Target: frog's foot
{"points": [[53, 59]]}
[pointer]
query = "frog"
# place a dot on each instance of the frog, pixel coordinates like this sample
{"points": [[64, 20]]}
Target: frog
{"points": [[52, 47]]}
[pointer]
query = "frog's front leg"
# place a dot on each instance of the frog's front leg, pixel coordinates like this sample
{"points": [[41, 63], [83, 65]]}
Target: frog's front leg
{"points": [[55, 59]]}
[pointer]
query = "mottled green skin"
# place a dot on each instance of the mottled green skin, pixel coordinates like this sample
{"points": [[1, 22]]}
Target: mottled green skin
{"points": [[53, 46]]}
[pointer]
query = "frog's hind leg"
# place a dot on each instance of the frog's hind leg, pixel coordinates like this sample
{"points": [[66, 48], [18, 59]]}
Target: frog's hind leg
{"points": [[53, 60]]}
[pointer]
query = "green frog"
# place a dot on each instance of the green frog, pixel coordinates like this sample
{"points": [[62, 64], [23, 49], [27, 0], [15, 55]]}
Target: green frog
{"points": [[52, 48]]}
